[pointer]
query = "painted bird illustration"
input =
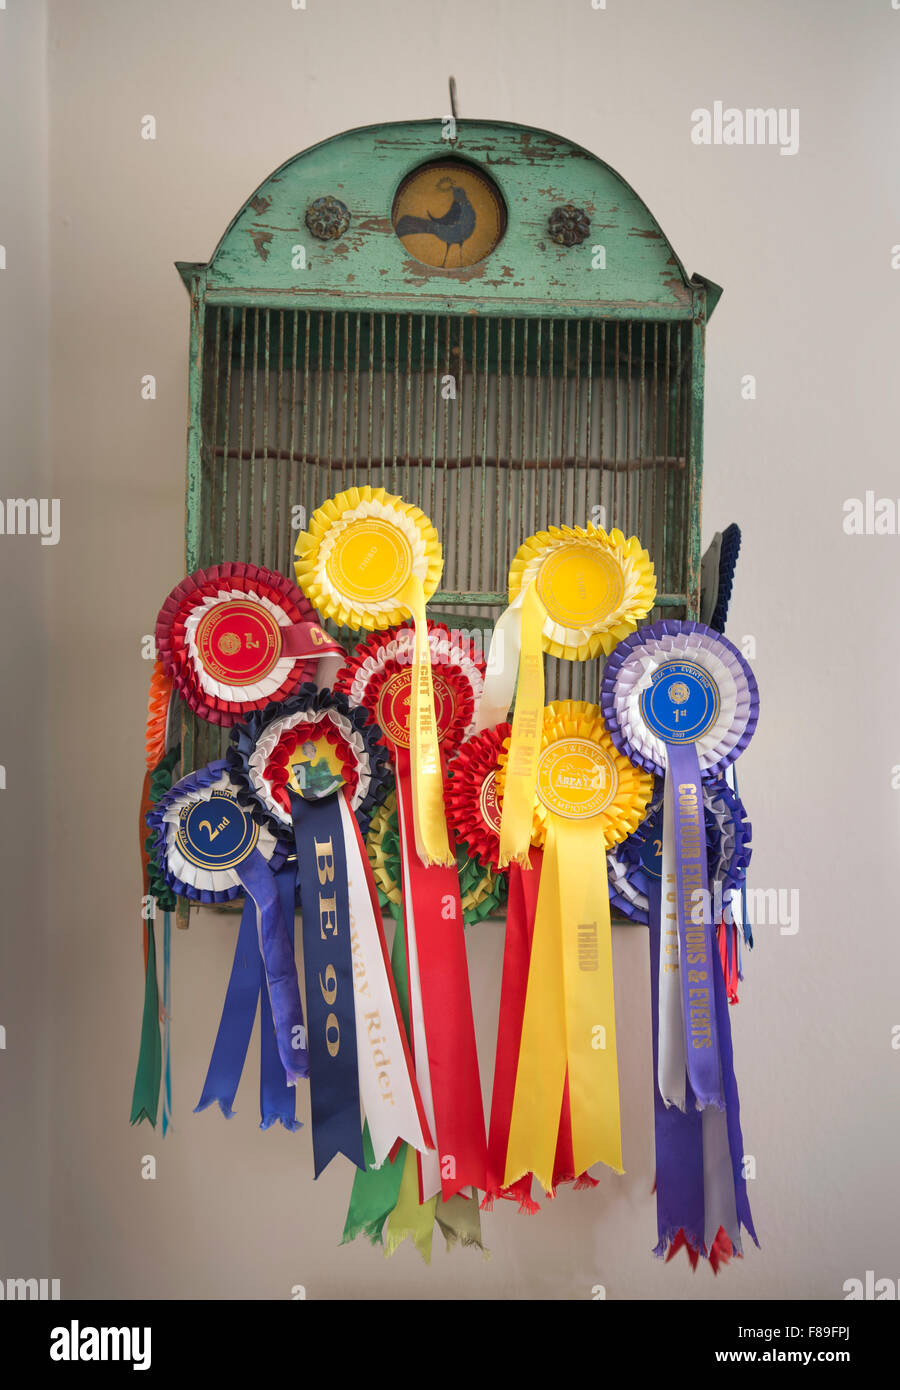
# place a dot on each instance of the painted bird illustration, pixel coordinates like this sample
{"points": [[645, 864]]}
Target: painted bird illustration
{"points": [[454, 227]]}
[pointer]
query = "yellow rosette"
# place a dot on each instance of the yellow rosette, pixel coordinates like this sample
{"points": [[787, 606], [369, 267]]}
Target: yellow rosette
{"points": [[574, 593], [596, 587], [588, 797], [370, 560]]}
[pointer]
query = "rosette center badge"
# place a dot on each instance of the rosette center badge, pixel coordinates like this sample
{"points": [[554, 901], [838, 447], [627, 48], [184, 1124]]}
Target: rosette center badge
{"points": [[576, 778]]}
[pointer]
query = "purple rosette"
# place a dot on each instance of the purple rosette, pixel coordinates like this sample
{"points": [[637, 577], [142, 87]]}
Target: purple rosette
{"points": [[637, 663], [680, 701]]}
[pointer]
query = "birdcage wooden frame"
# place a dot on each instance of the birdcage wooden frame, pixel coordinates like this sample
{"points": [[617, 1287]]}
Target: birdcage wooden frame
{"points": [[320, 364]]}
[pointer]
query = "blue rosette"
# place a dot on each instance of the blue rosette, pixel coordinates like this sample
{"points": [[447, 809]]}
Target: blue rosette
{"points": [[210, 849], [637, 860], [196, 855]]}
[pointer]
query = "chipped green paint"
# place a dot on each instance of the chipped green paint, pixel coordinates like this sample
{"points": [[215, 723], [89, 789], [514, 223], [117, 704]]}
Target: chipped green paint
{"points": [[368, 268]]}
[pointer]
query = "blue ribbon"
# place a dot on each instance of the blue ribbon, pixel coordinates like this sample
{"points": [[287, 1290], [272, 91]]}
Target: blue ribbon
{"points": [[277, 1100], [238, 1014], [697, 951], [732, 1111], [280, 966], [325, 902]]}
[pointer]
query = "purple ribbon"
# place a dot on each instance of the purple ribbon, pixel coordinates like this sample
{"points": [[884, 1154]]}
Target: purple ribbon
{"points": [[698, 959], [679, 1134]]}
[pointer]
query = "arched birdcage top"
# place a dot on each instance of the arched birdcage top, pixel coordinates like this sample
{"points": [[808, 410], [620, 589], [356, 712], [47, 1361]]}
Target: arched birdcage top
{"points": [[620, 264]]}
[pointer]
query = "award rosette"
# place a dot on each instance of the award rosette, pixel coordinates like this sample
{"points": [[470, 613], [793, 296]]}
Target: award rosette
{"points": [[481, 889], [380, 678], [574, 592], [370, 560], [235, 637], [315, 766], [681, 701], [588, 797], [210, 850]]}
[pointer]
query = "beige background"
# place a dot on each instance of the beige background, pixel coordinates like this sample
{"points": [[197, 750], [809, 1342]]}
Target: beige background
{"points": [[92, 218]]}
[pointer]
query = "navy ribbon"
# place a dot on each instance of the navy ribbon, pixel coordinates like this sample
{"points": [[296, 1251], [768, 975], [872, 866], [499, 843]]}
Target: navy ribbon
{"points": [[325, 901]]}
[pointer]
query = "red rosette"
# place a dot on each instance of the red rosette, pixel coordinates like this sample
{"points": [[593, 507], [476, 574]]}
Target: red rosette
{"points": [[378, 677], [471, 800], [276, 769], [224, 655]]}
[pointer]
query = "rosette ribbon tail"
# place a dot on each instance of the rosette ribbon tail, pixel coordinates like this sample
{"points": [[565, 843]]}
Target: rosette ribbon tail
{"points": [[502, 667], [145, 1096], [441, 1019], [387, 1084], [685, 874], [431, 837], [523, 893], [679, 1134], [328, 964], [277, 952], [238, 1015], [525, 741], [569, 1022]]}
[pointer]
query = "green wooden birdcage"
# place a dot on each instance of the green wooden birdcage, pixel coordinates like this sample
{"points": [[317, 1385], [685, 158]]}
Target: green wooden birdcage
{"points": [[546, 369]]}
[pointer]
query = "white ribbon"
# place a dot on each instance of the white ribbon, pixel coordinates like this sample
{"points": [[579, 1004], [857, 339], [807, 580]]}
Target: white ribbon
{"points": [[502, 667], [385, 1084]]}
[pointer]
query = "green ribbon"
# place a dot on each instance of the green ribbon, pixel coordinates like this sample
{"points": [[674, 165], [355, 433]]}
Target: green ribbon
{"points": [[148, 1077], [145, 1098]]}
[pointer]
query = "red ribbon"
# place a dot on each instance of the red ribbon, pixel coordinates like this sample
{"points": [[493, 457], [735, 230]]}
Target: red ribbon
{"points": [[446, 1005]]}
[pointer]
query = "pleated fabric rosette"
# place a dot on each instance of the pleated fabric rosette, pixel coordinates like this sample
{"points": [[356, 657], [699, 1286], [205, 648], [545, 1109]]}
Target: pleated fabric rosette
{"points": [[314, 766], [574, 592], [210, 849], [370, 560], [380, 677], [235, 637], [588, 797], [681, 702]]}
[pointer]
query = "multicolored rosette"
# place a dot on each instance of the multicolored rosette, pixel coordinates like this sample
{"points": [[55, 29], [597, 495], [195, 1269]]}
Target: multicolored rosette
{"points": [[235, 637], [574, 592], [370, 560], [482, 891], [681, 701], [316, 766], [380, 677], [588, 798], [211, 850]]}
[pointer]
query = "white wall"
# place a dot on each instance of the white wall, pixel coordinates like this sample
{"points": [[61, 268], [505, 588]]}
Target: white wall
{"points": [[802, 245]]}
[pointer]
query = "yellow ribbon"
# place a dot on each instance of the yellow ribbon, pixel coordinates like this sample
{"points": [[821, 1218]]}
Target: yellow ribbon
{"points": [[525, 742], [409, 1218], [541, 1073], [432, 840], [569, 1019]]}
